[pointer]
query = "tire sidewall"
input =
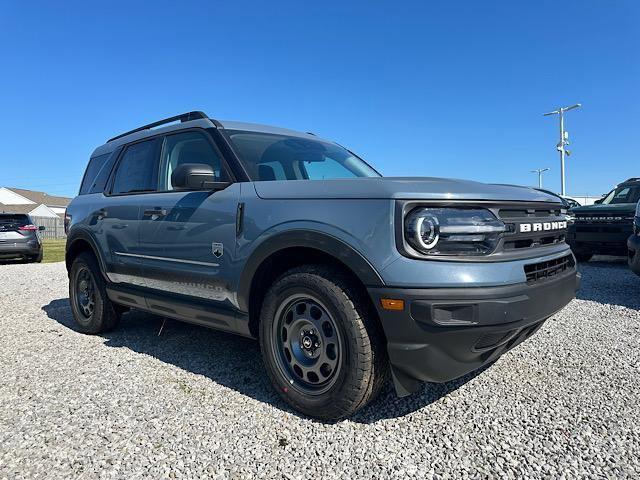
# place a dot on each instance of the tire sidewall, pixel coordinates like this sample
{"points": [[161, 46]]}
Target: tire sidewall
{"points": [[342, 314], [94, 323]]}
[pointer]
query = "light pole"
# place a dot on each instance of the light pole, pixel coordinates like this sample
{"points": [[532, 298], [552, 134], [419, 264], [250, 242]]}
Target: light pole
{"points": [[564, 140], [540, 171]]}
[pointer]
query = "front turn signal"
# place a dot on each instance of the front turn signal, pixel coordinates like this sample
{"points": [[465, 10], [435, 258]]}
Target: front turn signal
{"points": [[392, 304]]}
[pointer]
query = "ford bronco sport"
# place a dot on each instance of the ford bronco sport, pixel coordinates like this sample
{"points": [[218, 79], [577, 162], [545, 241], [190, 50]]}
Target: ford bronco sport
{"points": [[343, 276]]}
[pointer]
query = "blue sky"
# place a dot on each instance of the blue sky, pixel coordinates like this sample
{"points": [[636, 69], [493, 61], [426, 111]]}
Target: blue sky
{"points": [[453, 89]]}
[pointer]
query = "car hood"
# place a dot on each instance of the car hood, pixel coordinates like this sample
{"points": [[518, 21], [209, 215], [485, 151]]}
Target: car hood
{"points": [[409, 188], [605, 209]]}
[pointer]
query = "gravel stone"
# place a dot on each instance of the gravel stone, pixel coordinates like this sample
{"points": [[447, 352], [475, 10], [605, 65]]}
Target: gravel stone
{"points": [[195, 403]]}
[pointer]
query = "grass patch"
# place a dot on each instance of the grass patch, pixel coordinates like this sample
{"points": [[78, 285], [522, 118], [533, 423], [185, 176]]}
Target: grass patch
{"points": [[53, 250]]}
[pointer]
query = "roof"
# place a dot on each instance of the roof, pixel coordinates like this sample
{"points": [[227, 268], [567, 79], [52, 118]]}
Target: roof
{"points": [[190, 120], [256, 127], [26, 209], [42, 197]]}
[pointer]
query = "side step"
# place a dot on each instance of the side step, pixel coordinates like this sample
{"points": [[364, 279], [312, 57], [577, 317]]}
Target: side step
{"points": [[191, 311]]}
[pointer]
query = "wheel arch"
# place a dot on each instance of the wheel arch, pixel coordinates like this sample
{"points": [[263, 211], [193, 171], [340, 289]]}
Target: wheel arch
{"points": [[289, 249], [79, 242]]}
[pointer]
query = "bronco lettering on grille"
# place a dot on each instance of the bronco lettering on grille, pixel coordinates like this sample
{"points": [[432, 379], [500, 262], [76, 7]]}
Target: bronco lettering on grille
{"points": [[542, 226]]}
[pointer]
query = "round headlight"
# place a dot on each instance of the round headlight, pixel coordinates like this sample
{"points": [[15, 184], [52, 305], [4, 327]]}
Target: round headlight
{"points": [[427, 232], [452, 231]]}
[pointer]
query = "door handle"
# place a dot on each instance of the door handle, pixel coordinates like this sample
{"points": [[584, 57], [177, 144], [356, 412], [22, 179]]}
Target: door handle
{"points": [[156, 212]]}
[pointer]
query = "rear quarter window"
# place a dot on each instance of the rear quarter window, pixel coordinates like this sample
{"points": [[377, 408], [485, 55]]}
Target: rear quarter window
{"points": [[97, 173]]}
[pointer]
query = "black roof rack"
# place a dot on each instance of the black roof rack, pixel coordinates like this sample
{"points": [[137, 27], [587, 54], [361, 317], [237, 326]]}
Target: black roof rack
{"points": [[185, 117], [633, 179]]}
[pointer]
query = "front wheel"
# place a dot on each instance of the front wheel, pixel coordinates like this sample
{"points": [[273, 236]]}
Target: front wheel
{"points": [[323, 350]]}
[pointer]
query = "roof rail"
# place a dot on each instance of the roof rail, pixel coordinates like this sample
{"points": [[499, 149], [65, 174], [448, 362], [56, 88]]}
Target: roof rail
{"points": [[633, 179], [185, 117]]}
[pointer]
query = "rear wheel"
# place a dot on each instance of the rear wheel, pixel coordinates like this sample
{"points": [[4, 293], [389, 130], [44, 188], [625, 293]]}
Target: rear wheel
{"points": [[322, 348], [91, 307]]}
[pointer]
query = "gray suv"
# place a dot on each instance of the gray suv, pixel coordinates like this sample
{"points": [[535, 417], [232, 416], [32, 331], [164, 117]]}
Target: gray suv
{"points": [[19, 239], [343, 276]]}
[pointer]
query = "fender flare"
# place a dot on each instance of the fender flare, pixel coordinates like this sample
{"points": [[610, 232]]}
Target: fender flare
{"points": [[82, 235], [323, 242]]}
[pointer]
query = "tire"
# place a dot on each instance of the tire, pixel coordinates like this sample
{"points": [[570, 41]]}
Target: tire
{"points": [[583, 257], [312, 318], [32, 258], [92, 310]]}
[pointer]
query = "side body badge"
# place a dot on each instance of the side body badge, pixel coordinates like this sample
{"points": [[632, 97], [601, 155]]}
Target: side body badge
{"points": [[217, 249]]}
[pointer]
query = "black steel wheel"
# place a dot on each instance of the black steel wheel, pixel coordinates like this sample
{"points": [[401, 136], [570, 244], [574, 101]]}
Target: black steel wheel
{"points": [[307, 344], [321, 342], [92, 310], [85, 292]]}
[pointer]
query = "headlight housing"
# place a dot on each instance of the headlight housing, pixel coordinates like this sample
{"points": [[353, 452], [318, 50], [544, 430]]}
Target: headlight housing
{"points": [[452, 231]]}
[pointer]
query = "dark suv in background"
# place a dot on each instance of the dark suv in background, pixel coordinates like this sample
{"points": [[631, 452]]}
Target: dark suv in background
{"points": [[634, 243], [19, 238], [604, 228]]}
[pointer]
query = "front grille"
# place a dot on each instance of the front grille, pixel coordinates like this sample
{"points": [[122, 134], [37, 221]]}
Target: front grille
{"points": [[598, 229], [528, 213], [603, 218], [543, 227], [548, 269], [516, 243]]}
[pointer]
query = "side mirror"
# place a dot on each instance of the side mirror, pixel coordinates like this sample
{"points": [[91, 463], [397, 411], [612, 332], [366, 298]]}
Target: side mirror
{"points": [[41, 228], [195, 176]]}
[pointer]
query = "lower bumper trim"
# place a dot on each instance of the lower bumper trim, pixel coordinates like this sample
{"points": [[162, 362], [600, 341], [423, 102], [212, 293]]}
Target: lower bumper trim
{"points": [[17, 250], [422, 347]]}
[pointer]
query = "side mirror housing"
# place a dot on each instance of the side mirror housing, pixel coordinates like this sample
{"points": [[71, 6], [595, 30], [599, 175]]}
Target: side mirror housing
{"points": [[195, 176], [41, 228]]}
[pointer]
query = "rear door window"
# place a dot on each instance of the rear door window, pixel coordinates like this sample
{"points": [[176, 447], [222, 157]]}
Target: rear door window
{"points": [[137, 171]]}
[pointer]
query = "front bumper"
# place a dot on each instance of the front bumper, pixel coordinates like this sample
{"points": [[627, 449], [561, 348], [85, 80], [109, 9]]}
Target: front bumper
{"points": [[599, 239], [633, 244], [19, 249], [444, 333]]}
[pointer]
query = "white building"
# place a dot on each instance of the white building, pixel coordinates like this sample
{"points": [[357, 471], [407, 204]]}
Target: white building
{"points": [[36, 204]]}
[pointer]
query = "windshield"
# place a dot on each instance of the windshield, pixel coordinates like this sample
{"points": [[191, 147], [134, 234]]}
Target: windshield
{"points": [[268, 156], [623, 194]]}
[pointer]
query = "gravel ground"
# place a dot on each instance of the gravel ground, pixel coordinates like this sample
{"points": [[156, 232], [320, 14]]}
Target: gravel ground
{"points": [[195, 403]]}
